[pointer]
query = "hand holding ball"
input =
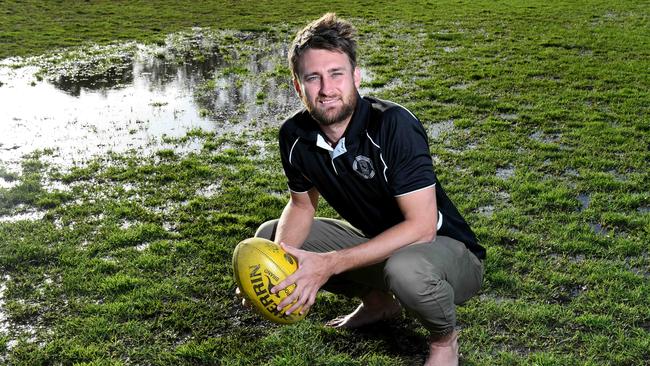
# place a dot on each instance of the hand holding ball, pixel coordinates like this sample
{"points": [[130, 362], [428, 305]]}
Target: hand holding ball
{"points": [[260, 264]]}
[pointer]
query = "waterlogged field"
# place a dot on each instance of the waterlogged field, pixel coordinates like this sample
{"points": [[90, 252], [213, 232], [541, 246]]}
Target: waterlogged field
{"points": [[132, 163]]}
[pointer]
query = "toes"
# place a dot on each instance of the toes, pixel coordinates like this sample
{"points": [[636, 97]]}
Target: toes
{"points": [[337, 322]]}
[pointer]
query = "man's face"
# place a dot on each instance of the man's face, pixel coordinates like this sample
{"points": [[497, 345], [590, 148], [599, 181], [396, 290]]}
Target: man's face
{"points": [[327, 85]]}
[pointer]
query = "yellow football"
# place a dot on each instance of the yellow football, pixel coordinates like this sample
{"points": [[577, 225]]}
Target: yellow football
{"points": [[260, 264]]}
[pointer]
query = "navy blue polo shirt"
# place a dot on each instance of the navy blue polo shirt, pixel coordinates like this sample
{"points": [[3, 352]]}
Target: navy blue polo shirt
{"points": [[383, 154]]}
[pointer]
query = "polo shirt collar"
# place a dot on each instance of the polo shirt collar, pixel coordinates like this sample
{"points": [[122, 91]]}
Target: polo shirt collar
{"points": [[336, 151]]}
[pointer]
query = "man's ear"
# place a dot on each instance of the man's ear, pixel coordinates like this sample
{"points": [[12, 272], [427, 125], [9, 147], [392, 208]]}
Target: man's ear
{"points": [[357, 77], [296, 85]]}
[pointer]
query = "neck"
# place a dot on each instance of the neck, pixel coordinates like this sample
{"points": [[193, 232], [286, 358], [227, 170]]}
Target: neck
{"points": [[335, 131]]}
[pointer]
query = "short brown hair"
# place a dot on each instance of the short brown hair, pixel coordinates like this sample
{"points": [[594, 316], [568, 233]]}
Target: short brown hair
{"points": [[326, 33]]}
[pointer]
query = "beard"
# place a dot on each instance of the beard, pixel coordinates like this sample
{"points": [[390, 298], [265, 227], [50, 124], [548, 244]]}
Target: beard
{"points": [[326, 117]]}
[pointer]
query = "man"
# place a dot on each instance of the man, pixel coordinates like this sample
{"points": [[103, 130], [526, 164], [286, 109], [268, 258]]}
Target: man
{"points": [[404, 244]]}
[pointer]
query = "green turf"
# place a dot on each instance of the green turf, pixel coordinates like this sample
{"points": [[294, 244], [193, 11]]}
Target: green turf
{"points": [[547, 109]]}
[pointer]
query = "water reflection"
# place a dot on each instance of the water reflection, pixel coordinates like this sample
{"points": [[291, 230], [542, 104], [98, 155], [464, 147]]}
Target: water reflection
{"points": [[139, 97], [159, 72], [114, 76]]}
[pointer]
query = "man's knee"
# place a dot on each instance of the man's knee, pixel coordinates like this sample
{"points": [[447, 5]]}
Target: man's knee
{"points": [[267, 230], [409, 274], [421, 289]]}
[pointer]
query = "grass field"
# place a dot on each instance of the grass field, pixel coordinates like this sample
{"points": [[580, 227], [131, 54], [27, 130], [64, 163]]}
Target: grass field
{"points": [[544, 113]]}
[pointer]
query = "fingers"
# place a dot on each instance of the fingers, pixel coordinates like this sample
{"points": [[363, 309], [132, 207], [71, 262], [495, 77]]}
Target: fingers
{"points": [[288, 281], [296, 252], [295, 307], [310, 301], [299, 300], [293, 296], [307, 281]]}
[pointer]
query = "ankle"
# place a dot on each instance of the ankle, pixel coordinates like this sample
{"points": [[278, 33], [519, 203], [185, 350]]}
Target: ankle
{"points": [[447, 340], [376, 298], [443, 350]]}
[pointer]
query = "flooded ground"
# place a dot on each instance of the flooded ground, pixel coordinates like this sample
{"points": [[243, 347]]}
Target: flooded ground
{"points": [[84, 103]]}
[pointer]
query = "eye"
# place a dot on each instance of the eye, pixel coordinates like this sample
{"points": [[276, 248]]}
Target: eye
{"points": [[311, 78]]}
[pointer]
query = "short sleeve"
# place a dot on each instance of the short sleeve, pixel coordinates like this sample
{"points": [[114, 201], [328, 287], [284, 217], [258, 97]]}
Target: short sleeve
{"points": [[405, 149], [289, 145]]}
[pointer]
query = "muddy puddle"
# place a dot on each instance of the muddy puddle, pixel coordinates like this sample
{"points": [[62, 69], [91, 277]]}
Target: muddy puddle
{"points": [[86, 102]]}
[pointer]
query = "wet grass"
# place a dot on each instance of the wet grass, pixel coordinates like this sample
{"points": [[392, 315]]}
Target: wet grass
{"points": [[33, 27], [544, 149]]}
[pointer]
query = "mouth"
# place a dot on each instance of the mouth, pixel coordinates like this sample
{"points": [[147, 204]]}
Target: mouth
{"points": [[328, 101]]}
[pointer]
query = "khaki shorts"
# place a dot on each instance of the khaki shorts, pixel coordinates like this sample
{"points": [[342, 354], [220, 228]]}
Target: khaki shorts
{"points": [[429, 279]]}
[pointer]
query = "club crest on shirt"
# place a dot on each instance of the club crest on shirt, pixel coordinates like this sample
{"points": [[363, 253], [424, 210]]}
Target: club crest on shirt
{"points": [[363, 166]]}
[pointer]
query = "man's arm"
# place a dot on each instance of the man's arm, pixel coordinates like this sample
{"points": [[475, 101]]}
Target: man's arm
{"points": [[297, 217], [420, 222], [419, 226], [295, 221]]}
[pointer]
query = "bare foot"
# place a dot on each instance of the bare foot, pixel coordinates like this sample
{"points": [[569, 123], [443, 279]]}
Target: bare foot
{"points": [[376, 306], [444, 351]]}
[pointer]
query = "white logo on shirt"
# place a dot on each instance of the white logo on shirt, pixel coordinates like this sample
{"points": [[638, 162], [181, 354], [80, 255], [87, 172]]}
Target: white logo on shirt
{"points": [[363, 166]]}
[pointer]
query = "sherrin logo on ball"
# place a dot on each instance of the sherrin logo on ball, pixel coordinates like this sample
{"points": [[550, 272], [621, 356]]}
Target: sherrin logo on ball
{"points": [[259, 264]]}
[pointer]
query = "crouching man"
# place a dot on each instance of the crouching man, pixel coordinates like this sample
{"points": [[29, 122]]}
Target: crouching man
{"points": [[403, 244]]}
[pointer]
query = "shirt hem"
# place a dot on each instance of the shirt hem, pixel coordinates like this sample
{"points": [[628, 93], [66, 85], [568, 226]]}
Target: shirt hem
{"points": [[415, 190]]}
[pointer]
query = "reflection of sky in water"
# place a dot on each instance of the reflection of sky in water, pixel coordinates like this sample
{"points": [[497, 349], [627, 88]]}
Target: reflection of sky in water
{"points": [[41, 116], [153, 99], [135, 103]]}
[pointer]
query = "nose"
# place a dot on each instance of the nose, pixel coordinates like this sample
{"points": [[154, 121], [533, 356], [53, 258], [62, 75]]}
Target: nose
{"points": [[326, 85]]}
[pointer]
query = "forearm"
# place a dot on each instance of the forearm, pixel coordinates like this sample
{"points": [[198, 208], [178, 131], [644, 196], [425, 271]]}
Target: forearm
{"points": [[419, 226], [296, 220], [382, 246]]}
